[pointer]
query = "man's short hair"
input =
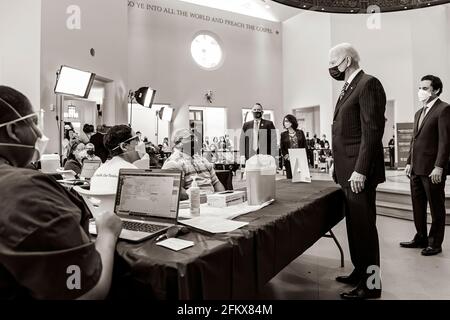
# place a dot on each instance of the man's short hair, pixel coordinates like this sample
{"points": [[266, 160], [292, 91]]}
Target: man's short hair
{"points": [[259, 104], [115, 136], [348, 50], [15, 99], [179, 135], [436, 82], [88, 128]]}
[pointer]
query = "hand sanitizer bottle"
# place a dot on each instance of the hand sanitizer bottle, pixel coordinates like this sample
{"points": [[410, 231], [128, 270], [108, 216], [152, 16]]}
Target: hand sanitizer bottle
{"points": [[194, 196]]}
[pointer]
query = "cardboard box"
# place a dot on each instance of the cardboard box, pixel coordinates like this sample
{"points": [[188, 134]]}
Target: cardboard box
{"points": [[226, 198]]}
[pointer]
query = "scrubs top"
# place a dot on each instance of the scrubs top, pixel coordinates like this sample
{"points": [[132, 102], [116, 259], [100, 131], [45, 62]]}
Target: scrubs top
{"points": [[45, 250]]}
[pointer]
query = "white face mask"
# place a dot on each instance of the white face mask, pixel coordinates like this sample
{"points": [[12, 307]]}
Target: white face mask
{"points": [[40, 144], [423, 95], [140, 149]]}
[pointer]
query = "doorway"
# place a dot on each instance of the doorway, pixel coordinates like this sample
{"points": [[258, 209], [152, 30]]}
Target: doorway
{"points": [[308, 120]]}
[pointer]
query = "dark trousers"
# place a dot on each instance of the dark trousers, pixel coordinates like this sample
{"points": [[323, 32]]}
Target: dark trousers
{"points": [[362, 232], [423, 191], [391, 158], [287, 166]]}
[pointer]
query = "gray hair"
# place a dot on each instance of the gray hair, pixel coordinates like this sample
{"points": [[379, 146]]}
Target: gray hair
{"points": [[179, 135], [346, 49]]}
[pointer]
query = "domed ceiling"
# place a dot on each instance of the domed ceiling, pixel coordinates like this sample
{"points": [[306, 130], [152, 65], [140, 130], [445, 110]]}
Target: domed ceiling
{"points": [[360, 6]]}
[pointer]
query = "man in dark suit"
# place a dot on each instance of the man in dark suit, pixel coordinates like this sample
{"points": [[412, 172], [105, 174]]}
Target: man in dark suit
{"points": [[258, 136], [427, 166], [358, 127], [100, 149]]}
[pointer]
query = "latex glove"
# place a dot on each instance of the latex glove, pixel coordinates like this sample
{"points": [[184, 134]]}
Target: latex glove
{"points": [[357, 182]]}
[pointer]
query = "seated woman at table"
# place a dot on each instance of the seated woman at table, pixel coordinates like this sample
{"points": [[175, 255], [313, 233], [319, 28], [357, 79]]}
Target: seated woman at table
{"points": [[290, 139], [75, 160], [90, 153], [44, 242], [187, 158]]}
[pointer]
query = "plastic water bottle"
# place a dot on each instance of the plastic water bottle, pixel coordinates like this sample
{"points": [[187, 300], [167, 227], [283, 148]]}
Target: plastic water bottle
{"points": [[194, 196]]}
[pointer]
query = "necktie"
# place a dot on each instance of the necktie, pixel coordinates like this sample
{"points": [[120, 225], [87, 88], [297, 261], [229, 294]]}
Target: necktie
{"points": [[255, 135], [344, 88], [422, 116]]}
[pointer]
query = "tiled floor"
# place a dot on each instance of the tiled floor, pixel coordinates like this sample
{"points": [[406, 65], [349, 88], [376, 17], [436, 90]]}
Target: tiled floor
{"points": [[406, 274]]}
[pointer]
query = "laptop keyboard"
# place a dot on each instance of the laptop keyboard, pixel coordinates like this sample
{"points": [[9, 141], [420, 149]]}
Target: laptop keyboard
{"points": [[142, 227]]}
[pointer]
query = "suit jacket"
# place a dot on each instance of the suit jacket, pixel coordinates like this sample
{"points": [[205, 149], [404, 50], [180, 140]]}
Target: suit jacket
{"points": [[358, 127], [267, 139], [285, 141], [430, 145]]}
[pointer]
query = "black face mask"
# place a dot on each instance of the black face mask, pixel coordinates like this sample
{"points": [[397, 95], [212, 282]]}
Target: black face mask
{"points": [[336, 74], [90, 152], [257, 115]]}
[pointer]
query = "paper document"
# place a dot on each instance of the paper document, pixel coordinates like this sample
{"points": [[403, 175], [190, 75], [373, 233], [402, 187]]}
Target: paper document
{"points": [[175, 244], [214, 225], [230, 212], [299, 165]]}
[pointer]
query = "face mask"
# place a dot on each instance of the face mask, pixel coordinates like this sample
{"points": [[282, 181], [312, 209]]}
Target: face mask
{"points": [[140, 149], [257, 115], [190, 146], [90, 152], [81, 155], [423, 95], [40, 144], [337, 74]]}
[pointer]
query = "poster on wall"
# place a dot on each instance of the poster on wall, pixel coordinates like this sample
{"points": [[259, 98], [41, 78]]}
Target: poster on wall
{"points": [[405, 133]]}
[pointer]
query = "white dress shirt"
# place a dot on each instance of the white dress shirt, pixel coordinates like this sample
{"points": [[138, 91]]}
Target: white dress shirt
{"points": [[256, 124], [353, 76]]}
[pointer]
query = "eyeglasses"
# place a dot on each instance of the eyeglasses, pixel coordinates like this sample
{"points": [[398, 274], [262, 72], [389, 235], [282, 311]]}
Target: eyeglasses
{"points": [[136, 137]]}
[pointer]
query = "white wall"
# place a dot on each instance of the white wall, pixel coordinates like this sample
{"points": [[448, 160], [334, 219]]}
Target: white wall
{"points": [[104, 28], [20, 48], [306, 41], [409, 45], [160, 56]]}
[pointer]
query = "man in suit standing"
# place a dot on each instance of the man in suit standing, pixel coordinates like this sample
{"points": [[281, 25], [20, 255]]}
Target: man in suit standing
{"points": [[258, 136], [427, 166], [97, 140], [358, 127]]}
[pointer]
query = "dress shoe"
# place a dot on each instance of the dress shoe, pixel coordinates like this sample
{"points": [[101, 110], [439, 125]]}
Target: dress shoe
{"points": [[430, 251], [414, 244], [361, 292], [352, 279]]}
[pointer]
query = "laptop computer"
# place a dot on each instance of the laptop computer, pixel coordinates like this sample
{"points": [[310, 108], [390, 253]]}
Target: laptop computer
{"points": [[146, 201], [89, 168]]}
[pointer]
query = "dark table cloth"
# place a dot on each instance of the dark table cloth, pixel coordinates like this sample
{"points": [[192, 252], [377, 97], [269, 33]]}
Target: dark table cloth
{"points": [[234, 265], [226, 178]]}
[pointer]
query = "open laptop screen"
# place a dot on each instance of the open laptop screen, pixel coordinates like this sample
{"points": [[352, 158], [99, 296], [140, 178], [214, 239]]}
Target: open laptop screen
{"points": [[144, 193], [89, 168]]}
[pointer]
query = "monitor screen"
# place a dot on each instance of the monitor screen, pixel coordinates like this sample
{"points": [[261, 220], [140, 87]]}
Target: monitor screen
{"points": [[74, 82], [89, 168], [145, 194]]}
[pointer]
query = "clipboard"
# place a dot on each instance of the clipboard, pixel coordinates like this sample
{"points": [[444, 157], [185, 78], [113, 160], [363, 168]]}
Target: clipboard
{"points": [[299, 165]]}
